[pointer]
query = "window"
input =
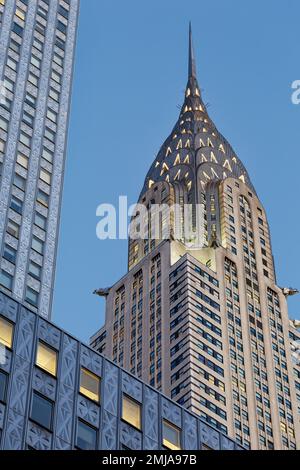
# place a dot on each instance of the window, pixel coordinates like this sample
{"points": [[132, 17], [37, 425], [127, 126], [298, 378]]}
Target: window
{"points": [[6, 280], [28, 119], [22, 160], [25, 139], [3, 386], [16, 204], [42, 198], [8, 84], [6, 332], [30, 100], [34, 269], [171, 436], [40, 221], [45, 176], [131, 412], [38, 44], [31, 296], [35, 61], [50, 135], [51, 115], [46, 358], [3, 124], [12, 64], [89, 385], [37, 245], [47, 155], [54, 94], [55, 76], [41, 410], [86, 436], [33, 79], [9, 253], [13, 228]]}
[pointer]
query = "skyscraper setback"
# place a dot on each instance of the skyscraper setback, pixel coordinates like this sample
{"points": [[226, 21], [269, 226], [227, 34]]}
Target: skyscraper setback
{"points": [[37, 42], [207, 326]]}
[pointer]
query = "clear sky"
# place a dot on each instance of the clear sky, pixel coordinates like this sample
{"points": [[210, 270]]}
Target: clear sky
{"points": [[130, 74]]}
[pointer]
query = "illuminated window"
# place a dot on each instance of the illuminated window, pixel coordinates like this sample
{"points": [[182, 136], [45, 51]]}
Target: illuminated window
{"points": [[171, 436], [131, 412], [6, 332], [89, 385], [46, 358], [283, 427], [20, 14]]}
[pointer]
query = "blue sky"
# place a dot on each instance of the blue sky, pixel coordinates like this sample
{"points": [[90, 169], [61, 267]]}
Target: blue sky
{"points": [[130, 74]]}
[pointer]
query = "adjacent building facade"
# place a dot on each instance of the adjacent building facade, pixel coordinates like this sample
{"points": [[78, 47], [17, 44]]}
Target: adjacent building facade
{"points": [[295, 348], [37, 42], [56, 393], [206, 323]]}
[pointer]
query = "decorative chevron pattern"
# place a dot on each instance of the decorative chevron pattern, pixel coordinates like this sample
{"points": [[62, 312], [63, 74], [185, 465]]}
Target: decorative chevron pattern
{"points": [[44, 384], [69, 405], [19, 388], [14, 431], [49, 333], [132, 387], [209, 436], [108, 432], [88, 411], [151, 414], [190, 432], [110, 399], [130, 437], [91, 360], [38, 438], [171, 412]]}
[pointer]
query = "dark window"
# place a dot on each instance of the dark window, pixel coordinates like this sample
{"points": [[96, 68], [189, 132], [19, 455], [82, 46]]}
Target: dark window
{"points": [[41, 411], [9, 253], [17, 29], [31, 296], [86, 436], [3, 386], [6, 279], [16, 205]]}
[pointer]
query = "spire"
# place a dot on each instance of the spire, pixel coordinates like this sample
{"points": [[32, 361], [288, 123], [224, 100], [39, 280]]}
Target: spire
{"points": [[192, 62]]}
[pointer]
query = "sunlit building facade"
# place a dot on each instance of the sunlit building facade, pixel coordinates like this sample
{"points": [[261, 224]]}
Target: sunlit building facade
{"points": [[37, 43], [295, 348], [206, 323]]}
